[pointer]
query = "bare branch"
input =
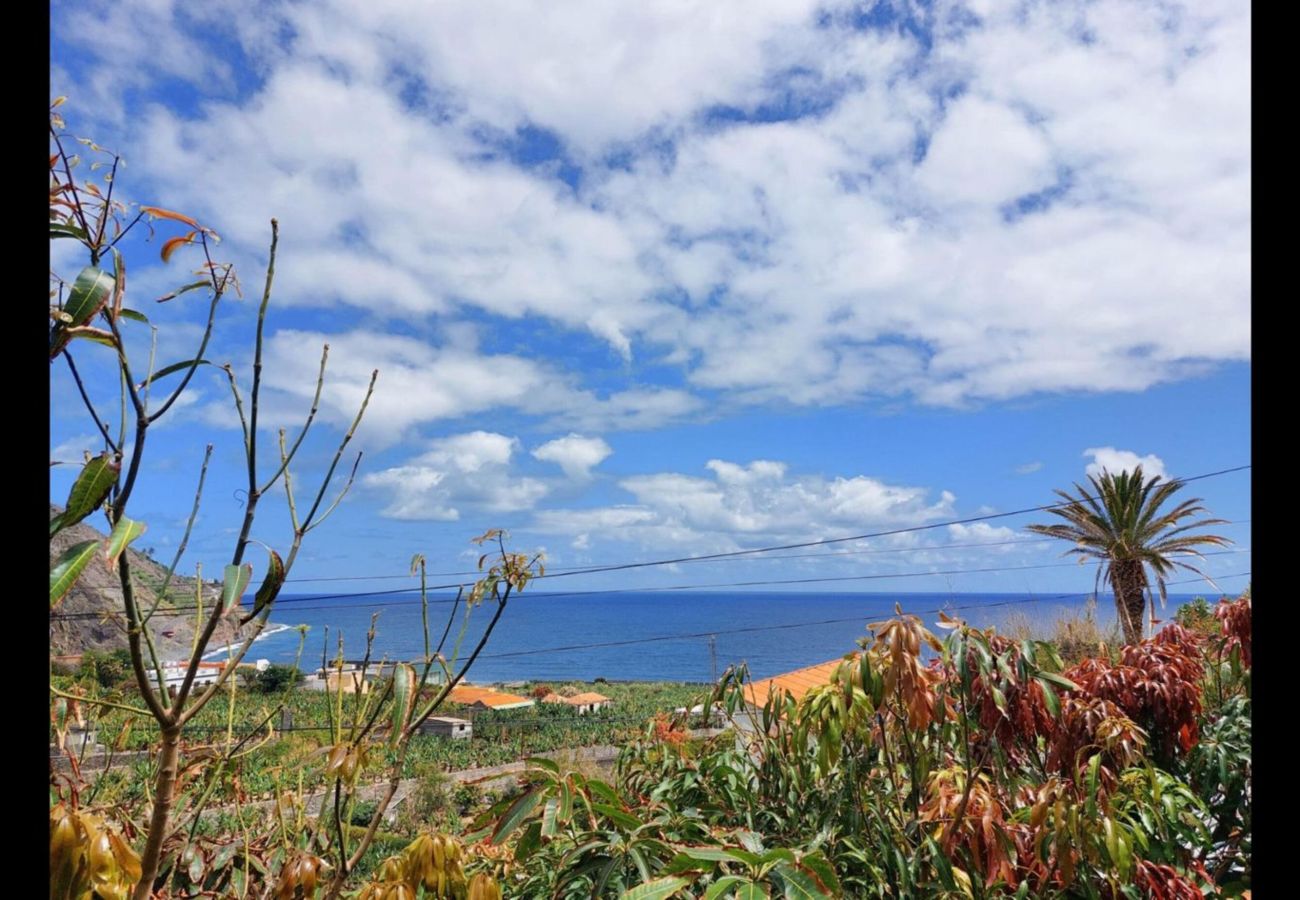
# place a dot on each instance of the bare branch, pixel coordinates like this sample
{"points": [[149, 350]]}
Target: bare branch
{"points": [[347, 438], [286, 458], [85, 398]]}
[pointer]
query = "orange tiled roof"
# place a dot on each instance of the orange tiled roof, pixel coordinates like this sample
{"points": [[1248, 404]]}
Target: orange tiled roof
{"points": [[588, 697], [468, 695], [796, 683]]}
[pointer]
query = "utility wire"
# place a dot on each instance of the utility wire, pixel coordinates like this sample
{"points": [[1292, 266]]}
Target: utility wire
{"points": [[511, 654], [711, 556], [280, 604]]}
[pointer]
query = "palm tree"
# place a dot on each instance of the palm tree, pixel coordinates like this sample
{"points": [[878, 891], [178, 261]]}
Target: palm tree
{"points": [[1120, 523]]}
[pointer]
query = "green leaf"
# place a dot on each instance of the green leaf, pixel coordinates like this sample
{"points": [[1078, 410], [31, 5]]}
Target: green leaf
{"points": [[63, 230], [403, 700], [799, 885], [173, 369], [821, 867], [606, 793], [133, 315], [89, 293], [233, 583], [550, 825], [942, 864], [517, 812], [1094, 766], [1059, 681], [270, 588], [1050, 700], [721, 854], [659, 889], [617, 816], [95, 336], [124, 532], [95, 480], [530, 840], [66, 569], [192, 286], [722, 885], [752, 891]]}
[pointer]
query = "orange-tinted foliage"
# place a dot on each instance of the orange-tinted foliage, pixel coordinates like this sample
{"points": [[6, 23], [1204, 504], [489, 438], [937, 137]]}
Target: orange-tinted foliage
{"points": [[1157, 684], [1161, 882], [1089, 725], [899, 643], [982, 830], [1023, 715], [1234, 622], [667, 733]]}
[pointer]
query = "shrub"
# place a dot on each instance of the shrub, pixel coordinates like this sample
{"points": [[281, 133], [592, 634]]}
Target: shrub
{"points": [[1197, 616], [277, 678], [109, 669]]}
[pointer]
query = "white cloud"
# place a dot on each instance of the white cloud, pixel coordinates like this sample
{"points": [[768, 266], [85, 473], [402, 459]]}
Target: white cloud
{"points": [[420, 383], [754, 503], [575, 454], [463, 470], [984, 153], [1029, 468], [1109, 459], [870, 249], [72, 451], [980, 533]]}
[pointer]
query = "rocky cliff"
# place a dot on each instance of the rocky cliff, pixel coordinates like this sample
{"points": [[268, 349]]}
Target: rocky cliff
{"points": [[91, 617]]}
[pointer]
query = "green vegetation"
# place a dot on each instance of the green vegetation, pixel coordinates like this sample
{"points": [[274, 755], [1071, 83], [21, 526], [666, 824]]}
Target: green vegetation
{"points": [[993, 772], [993, 769], [277, 679], [1121, 524]]}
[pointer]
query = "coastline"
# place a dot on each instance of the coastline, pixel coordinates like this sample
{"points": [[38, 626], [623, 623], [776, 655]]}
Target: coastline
{"points": [[271, 628]]}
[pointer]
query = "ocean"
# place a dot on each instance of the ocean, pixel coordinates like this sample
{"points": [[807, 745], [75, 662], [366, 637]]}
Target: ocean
{"points": [[651, 636]]}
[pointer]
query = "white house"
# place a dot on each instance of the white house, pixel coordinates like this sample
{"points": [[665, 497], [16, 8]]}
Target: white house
{"points": [[174, 674]]}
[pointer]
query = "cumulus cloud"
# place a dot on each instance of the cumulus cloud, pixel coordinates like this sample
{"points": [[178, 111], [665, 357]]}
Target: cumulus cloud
{"points": [[1108, 459], [980, 533], [464, 470], [72, 451], [756, 502], [774, 205], [575, 454], [420, 383]]}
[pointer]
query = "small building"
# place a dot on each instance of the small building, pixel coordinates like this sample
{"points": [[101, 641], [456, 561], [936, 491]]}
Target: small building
{"points": [[349, 680], [174, 674], [588, 701], [790, 684], [486, 699], [448, 726], [584, 703], [717, 717]]}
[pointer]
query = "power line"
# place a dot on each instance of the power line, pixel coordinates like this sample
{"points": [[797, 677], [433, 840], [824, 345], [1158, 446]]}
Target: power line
{"points": [[712, 556], [860, 537], [642, 590], [577, 569], [789, 625]]}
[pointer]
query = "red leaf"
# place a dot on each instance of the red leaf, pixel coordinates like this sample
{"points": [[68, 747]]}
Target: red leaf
{"points": [[160, 213], [170, 246]]}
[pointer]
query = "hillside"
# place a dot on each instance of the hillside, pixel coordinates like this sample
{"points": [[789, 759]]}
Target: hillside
{"points": [[98, 593]]}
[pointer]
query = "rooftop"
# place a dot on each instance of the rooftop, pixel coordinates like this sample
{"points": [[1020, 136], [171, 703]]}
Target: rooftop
{"points": [[796, 683], [588, 697], [468, 695]]}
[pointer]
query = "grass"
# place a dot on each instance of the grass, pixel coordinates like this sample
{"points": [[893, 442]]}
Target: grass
{"points": [[1077, 635]]}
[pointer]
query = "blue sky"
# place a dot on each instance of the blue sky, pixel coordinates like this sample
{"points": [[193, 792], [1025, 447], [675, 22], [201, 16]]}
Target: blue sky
{"points": [[664, 279]]}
